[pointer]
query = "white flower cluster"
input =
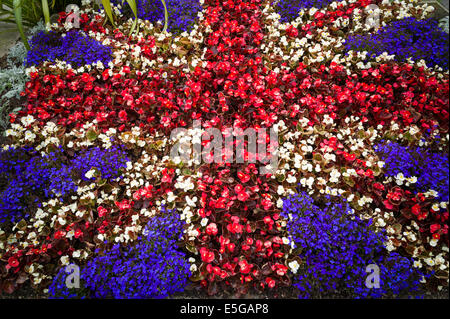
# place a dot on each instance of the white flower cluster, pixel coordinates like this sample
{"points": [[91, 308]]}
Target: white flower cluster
{"points": [[322, 44]]}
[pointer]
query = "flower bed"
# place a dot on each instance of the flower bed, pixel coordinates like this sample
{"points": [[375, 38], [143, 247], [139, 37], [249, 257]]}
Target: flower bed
{"points": [[354, 170]]}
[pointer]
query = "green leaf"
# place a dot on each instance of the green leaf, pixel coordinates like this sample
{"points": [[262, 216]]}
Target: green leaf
{"points": [[197, 277], [397, 228], [132, 4], [191, 248], [318, 157], [166, 16], [349, 181], [22, 224], [107, 188], [91, 135], [46, 12], [17, 8], [109, 12], [376, 171], [186, 171]]}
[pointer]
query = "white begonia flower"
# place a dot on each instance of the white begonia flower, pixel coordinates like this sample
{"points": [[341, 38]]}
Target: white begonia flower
{"points": [[61, 221], [381, 222], [65, 260], [170, 197], [429, 262], [433, 243], [279, 203], [412, 179], [29, 136], [400, 178], [27, 120], [10, 132], [334, 176], [435, 207], [191, 202], [193, 268], [294, 266], [90, 174], [204, 222], [291, 179]]}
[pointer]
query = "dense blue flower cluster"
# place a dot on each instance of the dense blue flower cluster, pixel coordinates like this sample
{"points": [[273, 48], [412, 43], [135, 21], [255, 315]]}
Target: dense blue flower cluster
{"points": [[406, 38], [182, 13], [337, 246], [397, 158], [74, 48], [28, 178], [153, 268], [58, 288], [289, 9], [431, 169], [107, 162]]}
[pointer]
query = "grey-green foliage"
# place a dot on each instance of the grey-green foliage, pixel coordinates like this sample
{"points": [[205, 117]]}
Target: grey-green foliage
{"points": [[13, 77], [12, 82], [443, 23]]}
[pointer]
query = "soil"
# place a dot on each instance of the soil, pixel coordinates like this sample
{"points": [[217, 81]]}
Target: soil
{"points": [[3, 62], [27, 292], [24, 292]]}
